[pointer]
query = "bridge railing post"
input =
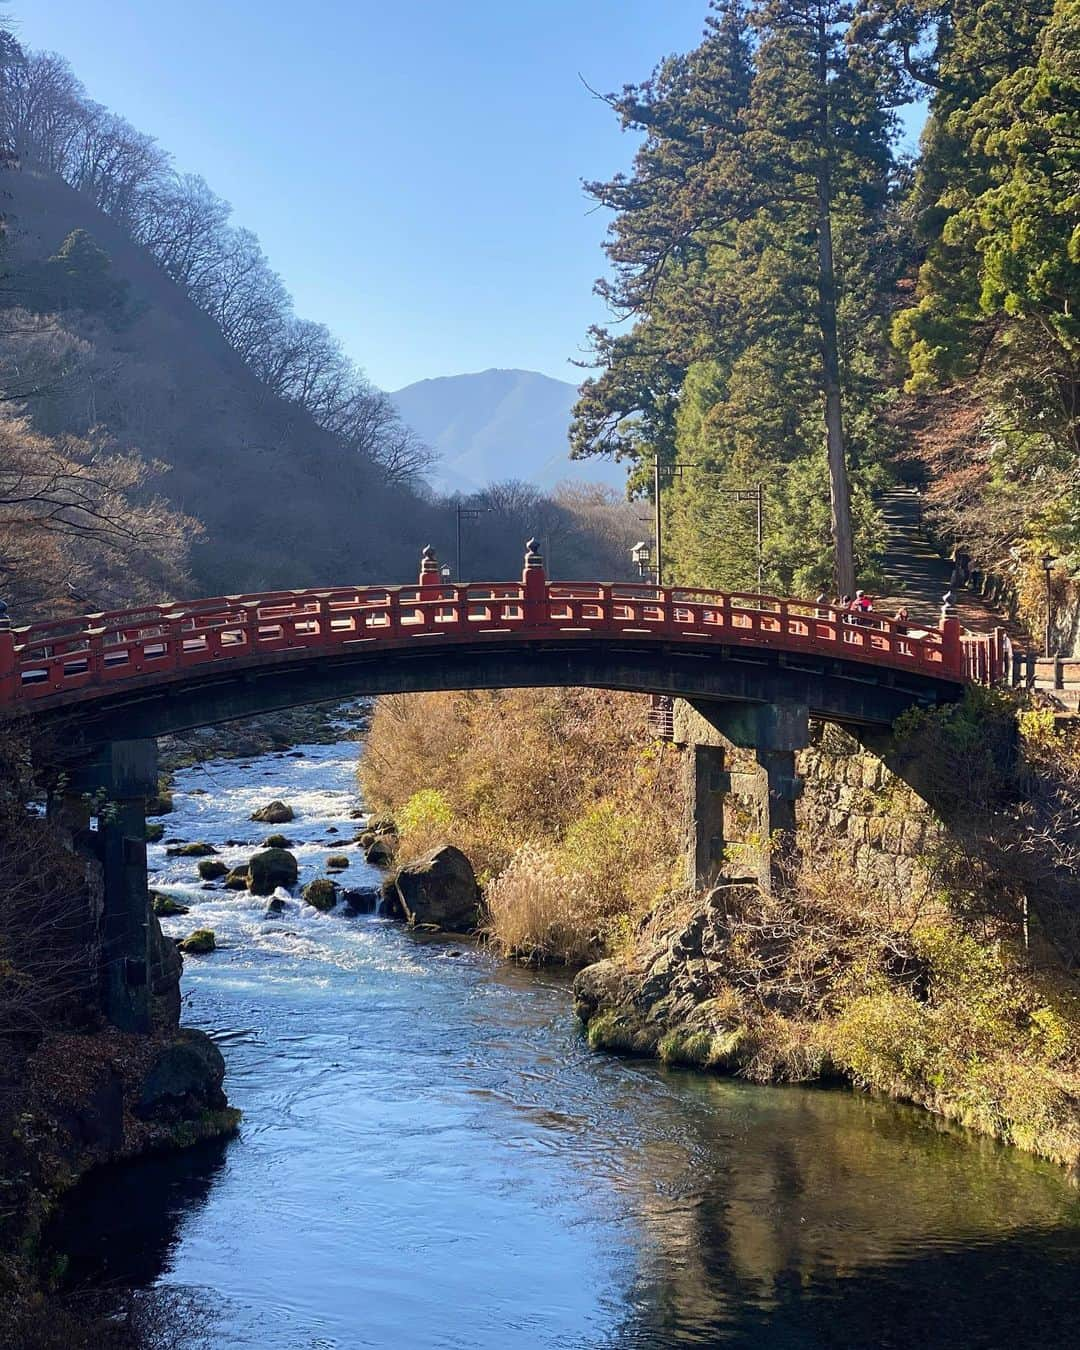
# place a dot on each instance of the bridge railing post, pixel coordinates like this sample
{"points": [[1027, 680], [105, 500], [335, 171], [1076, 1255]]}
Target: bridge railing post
{"points": [[534, 584], [952, 649]]}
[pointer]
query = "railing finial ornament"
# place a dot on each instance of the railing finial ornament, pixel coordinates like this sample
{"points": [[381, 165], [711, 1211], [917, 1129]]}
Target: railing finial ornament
{"points": [[429, 567]]}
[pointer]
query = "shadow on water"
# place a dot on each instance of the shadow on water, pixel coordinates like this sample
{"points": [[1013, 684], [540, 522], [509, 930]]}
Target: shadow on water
{"points": [[1020, 1292], [119, 1226]]}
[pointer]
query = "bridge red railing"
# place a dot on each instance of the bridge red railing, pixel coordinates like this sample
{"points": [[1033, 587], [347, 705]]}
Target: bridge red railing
{"points": [[90, 655]]}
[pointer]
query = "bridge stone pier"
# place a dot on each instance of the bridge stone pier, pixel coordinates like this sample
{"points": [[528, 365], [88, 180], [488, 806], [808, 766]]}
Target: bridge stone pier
{"points": [[741, 787], [99, 808]]}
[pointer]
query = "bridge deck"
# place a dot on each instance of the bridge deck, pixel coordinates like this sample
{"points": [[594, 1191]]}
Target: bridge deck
{"points": [[71, 661]]}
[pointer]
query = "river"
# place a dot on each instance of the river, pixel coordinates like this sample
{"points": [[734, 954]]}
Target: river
{"points": [[431, 1157]]}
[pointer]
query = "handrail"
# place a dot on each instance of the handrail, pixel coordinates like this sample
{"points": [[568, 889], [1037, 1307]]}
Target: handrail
{"points": [[101, 651]]}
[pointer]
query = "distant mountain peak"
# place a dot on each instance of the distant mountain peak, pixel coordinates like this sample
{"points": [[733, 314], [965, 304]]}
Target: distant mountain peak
{"points": [[495, 424]]}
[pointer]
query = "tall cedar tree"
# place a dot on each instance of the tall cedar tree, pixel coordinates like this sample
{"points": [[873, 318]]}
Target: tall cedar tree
{"points": [[758, 146]]}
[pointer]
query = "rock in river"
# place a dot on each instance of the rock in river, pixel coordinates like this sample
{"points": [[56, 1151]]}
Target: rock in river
{"points": [[200, 849], [321, 893], [274, 813], [198, 943], [270, 869], [440, 888], [185, 1078], [361, 901]]}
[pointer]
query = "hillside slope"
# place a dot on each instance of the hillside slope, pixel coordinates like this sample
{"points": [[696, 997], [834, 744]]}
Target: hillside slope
{"points": [[499, 424], [283, 503]]}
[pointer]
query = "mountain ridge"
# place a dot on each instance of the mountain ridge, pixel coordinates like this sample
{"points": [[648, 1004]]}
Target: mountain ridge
{"points": [[504, 422]]}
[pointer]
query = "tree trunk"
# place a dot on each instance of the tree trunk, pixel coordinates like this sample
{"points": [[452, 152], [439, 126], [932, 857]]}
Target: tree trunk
{"points": [[839, 486]]}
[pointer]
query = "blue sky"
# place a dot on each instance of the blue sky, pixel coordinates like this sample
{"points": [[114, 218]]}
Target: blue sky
{"points": [[413, 169]]}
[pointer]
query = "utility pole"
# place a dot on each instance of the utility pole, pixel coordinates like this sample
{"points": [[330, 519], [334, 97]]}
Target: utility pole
{"points": [[466, 513], [755, 494], [657, 522]]}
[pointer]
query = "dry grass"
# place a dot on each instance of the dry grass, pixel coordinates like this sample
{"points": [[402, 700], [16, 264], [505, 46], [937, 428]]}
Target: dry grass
{"points": [[537, 911]]}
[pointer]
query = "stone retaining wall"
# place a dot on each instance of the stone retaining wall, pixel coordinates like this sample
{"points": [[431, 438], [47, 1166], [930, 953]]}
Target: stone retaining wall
{"points": [[853, 802]]}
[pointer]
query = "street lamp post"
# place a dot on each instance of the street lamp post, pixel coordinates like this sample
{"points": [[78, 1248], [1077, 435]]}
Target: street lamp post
{"points": [[1047, 565]]}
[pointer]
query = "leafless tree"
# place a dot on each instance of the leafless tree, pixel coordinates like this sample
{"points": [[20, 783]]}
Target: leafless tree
{"points": [[78, 526], [182, 222]]}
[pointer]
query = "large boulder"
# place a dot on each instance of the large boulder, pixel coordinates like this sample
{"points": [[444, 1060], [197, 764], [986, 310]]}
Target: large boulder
{"points": [[440, 889], [270, 869], [184, 1079], [274, 813]]}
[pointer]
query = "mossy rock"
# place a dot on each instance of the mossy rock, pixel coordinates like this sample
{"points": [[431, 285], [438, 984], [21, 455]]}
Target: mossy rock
{"points": [[337, 862], [199, 849], [211, 869], [277, 841], [380, 853], [321, 893], [199, 943], [155, 831], [274, 813], [365, 839], [237, 879], [164, 906], [160, 804], [270, 869]]}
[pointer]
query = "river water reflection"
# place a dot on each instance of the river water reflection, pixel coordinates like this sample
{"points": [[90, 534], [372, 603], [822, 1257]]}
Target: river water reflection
{"points": [[431, 1157]]}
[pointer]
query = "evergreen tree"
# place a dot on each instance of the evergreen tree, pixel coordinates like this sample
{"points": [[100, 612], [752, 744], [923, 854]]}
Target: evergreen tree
{"points": [[752, 243]]}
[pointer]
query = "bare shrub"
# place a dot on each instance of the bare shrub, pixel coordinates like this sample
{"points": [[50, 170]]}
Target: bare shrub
{"points": [[46, 955], [77, 529]]}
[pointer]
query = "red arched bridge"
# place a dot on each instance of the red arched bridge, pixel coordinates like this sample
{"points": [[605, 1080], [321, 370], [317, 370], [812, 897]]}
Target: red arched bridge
{"points": [[168, 667], [98, 690]]}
